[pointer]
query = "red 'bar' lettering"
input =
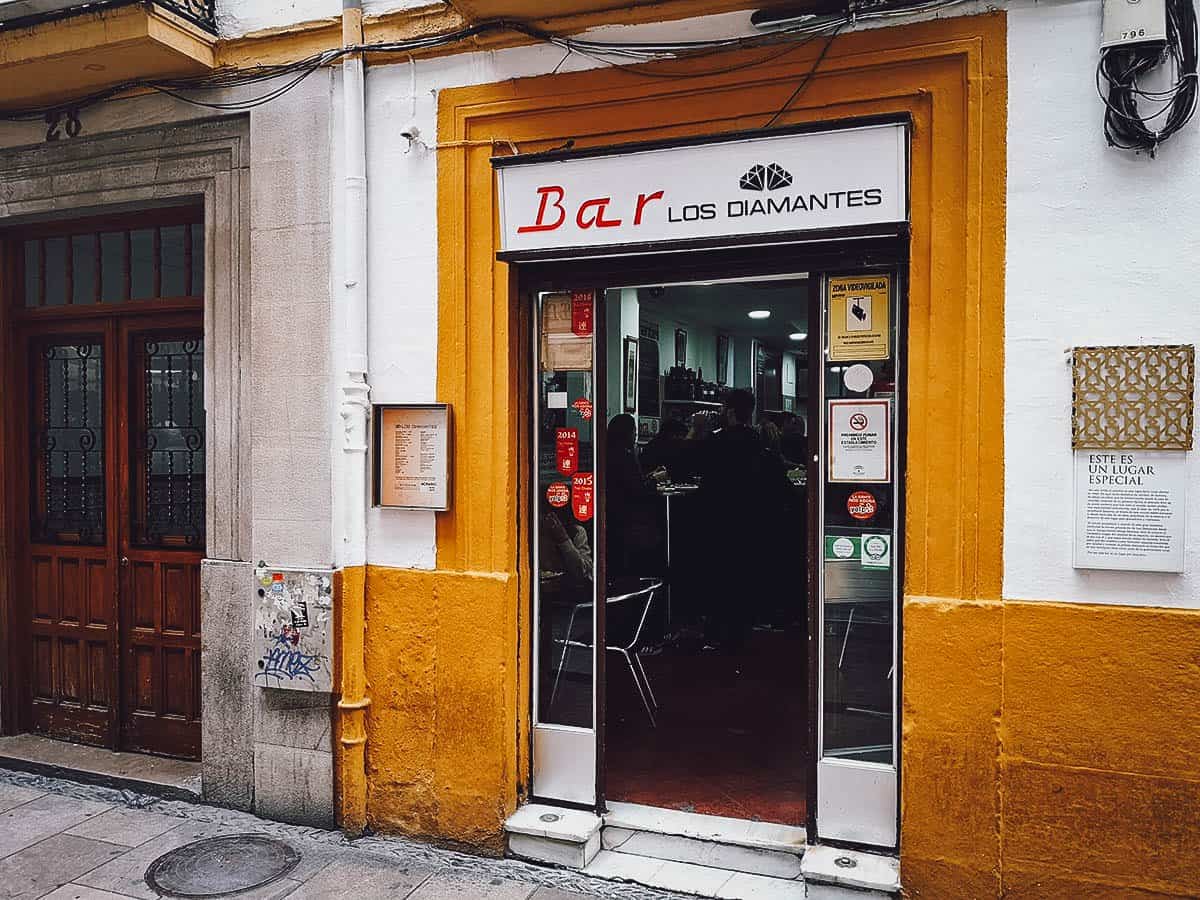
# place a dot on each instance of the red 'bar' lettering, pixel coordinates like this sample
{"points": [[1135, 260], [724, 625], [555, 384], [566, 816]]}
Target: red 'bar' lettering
{"points": [[542, 224], [643, 199], [600, 204]]}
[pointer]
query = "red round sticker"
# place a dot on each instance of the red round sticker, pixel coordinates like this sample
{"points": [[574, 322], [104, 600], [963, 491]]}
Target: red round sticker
{"points": [[861, 505], [558, 494], [583, 406]]}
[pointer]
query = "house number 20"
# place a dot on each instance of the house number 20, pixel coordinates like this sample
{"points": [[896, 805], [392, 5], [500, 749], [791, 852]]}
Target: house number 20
{"points": [[59, 122]]}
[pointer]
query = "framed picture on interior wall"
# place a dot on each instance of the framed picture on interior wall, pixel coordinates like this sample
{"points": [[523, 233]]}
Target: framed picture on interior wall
{"points": [[722, 358], [680, 347], [631, 374]]}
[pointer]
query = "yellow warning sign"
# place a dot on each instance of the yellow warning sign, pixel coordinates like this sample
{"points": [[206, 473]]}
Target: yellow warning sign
{"points": [[859, 325]]}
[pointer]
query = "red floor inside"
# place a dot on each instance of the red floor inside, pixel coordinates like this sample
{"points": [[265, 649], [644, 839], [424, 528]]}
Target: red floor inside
{"points": [[731, 736]]}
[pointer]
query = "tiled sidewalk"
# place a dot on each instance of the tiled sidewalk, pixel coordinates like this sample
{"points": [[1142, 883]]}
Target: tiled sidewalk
{"points": [[68, 841]]}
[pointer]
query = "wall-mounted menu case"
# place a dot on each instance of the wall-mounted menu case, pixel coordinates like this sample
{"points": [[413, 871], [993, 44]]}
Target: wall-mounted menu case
{"points": [[412, 456]]}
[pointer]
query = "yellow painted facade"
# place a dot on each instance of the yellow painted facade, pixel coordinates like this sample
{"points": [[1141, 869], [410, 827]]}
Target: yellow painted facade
{"points": [[1028, 769], [1048, 748]]}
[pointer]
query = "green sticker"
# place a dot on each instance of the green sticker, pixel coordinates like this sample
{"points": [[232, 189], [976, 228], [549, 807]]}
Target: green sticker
{"points": [[842, 547]]}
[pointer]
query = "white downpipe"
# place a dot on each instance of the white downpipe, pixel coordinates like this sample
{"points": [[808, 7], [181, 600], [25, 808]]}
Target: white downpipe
{"points": [[355, 402]]}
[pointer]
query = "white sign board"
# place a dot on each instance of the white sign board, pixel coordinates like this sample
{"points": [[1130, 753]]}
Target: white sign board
{"points": [[1130, 508], [750, 186], [860, 443]]}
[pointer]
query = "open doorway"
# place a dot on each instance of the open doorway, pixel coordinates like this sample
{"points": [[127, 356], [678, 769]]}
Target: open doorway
{"points": [[717, 575], [705, 484]]}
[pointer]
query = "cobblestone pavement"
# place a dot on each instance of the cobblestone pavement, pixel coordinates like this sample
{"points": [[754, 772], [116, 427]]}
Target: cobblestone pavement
{"points": [[68, 841]]}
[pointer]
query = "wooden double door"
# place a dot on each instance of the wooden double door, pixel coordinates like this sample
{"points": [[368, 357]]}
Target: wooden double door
{"points": [[115, 482]]}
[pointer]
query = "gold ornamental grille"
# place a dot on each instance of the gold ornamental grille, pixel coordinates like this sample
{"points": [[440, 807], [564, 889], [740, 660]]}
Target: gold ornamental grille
{"points": [[1132, 398]]}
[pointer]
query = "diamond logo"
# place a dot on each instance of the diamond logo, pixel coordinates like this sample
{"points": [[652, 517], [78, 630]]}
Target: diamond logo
{"points": [[765, 178]]}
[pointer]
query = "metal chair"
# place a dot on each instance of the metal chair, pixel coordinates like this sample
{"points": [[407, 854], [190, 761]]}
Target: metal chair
{"points": [[623, 631]]}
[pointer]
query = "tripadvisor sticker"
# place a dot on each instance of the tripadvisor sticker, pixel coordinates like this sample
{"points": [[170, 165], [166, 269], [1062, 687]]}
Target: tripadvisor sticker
{"points": [[877, 551]]}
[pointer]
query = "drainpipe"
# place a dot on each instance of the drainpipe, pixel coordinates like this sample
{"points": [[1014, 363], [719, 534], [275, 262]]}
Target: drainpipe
{"points": [[355, 408]]}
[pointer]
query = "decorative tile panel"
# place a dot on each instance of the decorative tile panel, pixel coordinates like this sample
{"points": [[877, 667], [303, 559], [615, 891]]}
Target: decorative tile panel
{"points": [[1133, 398]]}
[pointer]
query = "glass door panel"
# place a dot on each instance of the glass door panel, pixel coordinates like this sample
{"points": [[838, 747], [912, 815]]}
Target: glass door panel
{"points": [[856, 771], [564, 543]]}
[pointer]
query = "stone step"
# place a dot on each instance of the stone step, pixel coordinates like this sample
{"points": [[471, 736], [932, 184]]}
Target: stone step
{"points": [[689, 878], [715, 829], [701, 852], [551, 834], [833, 873]]}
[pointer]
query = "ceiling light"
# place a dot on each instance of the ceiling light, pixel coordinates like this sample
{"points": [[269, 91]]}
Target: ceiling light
{"points": [[759, 314], [797, 335]]}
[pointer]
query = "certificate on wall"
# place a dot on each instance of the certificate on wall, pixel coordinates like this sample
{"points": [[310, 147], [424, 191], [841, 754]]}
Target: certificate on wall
{"points": [[860, 441], [412, 456]]}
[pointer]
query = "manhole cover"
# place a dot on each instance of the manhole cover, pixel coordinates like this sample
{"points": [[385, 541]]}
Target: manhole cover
{"points": [[217, 867]]}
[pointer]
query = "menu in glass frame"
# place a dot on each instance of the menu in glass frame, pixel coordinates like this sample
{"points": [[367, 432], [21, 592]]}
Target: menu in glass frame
{"points": [[412, 456]]}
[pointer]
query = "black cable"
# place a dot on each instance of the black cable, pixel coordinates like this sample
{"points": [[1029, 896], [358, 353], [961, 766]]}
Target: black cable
{"points": [[595, 50], [1126, 125], [808, 75]]}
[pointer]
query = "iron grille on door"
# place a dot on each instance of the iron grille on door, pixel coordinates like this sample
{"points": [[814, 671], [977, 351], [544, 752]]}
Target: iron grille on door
{"points": [[168, 463], [68, 495]]}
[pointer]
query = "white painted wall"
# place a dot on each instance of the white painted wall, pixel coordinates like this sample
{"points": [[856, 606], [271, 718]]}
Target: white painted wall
{"points": [[239, 17], [1102, 249]]}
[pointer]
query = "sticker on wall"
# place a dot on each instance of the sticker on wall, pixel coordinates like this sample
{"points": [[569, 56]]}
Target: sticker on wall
{"points": [[859, 321], [558, 494], [858, 378], [581, 313], [876, 551], [293, 639], [862, 505], [566, 450], [583, 406], [583, 495], [841, 547]]}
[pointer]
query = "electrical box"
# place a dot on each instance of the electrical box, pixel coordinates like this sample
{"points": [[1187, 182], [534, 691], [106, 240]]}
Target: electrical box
{"points": [[1133, 22], [293, 629]]}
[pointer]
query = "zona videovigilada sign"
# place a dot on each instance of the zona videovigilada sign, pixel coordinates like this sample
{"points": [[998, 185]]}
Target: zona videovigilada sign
{"points": [[814, 180]]}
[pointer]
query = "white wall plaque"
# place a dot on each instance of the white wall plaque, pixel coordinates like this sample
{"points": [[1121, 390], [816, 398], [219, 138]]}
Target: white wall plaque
{"points": [[747, 186], [412, 456], [1130, 508], [860, 442]]}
